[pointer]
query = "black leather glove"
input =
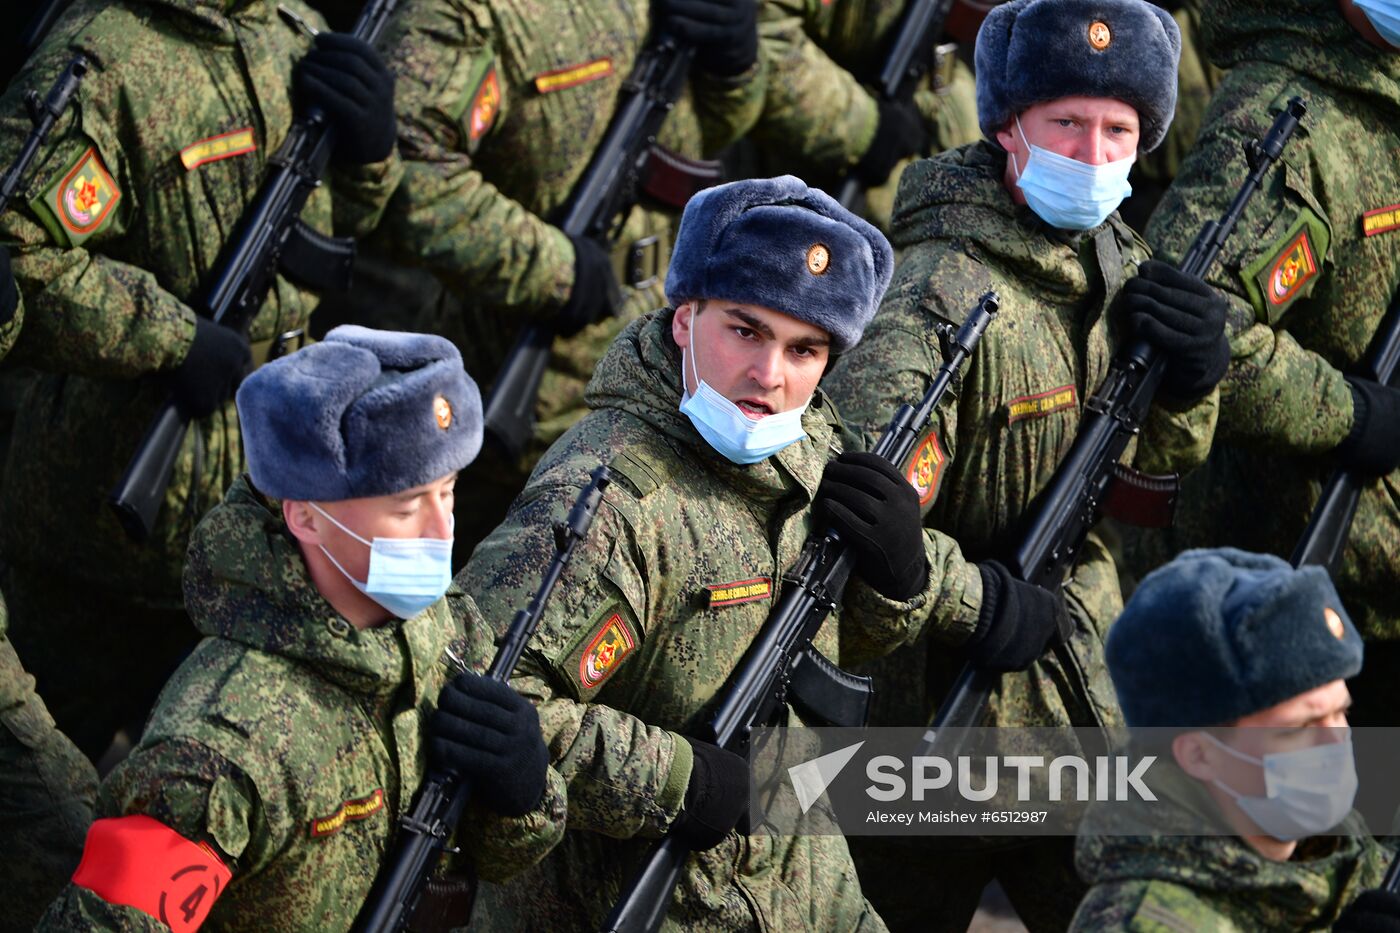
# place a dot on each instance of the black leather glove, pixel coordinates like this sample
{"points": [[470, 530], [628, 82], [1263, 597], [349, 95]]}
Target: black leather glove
{"points": [[489, 735], [210, 373], [347, 79], [1184, 318], [900, 133], [716, 798], [1373, 446], [1018, 621], [1374, 911], [875, 510], [724, 32], [9, 293], [595, 294]]}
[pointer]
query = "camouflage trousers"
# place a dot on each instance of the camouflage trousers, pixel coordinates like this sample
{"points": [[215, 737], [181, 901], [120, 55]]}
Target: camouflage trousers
{"points": [[100, 657], [47, 792]]}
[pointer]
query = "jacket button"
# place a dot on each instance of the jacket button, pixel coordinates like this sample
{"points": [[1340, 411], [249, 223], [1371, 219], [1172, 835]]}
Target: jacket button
{"points": [[339, 627]]}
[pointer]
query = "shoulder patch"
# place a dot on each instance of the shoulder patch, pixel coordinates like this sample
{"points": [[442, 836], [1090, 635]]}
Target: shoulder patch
{"points": [[603, 653], [355, 809], [1041, 403], [485, 106], [82, 197], [1381, 220], [139, 862], [215, 148], [1287, 269], [561, 79], [926, 468]]}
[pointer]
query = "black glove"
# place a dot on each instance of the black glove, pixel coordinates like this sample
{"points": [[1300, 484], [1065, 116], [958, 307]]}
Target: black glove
{"points": [[716, 798], [9, 294], [489, 735], [595, 294], [901, 132], [1374, 911], [1184, 318], [875, 510], [1018, 621], [346, 78], [724, 32], [1373, 446], [210, 373]]}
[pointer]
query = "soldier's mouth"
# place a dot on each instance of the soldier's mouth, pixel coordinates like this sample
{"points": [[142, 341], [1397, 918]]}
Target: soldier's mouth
{"points": [[754, 408]]}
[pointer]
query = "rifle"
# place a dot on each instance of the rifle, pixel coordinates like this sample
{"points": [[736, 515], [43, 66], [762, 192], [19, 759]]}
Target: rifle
{"points": [[270, 236], [43, 114], [424, 831], [1326, 534], [1073, 501], [909, 60], [759, 687], [609, 186]]}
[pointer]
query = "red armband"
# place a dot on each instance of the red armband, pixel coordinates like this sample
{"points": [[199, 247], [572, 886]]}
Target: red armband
{"points": [[140, 862]]}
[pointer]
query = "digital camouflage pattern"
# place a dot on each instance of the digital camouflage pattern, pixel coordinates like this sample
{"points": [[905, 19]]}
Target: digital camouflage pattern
{"points": [[1167, 882], [993, 449], [1307, 289], [679, 573], [47, 790], [283, 716], [107, 298], [498, 118], [819, 115]]}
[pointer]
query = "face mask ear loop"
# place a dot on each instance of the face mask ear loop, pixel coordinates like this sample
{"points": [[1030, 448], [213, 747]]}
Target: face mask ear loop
{"points": [[1025, 142], [337, 524], [695, 370]]}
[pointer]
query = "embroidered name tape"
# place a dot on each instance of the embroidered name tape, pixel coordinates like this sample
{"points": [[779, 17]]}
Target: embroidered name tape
{"points": [[1381, 220], [563, 78], [741, 591], [359, 808], [1042, 403]]}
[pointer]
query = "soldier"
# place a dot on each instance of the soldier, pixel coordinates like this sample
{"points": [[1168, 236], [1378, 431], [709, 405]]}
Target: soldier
{"points": [[285, 748], [132, 200], [818, 119], [46, 786], [1029, 211], [1230, 639], [1309, 274], [499, 116], [710, 417]]}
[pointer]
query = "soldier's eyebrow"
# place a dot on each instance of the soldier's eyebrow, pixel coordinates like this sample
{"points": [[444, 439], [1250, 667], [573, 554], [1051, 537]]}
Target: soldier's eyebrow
{"points": [[751, 322]]}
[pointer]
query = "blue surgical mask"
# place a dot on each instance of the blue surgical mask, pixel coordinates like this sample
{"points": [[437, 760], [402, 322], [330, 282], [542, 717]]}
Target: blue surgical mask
{"points": [[1307, 791], [406, 575], [1070, 194], [1385, 16], [739, 438]]}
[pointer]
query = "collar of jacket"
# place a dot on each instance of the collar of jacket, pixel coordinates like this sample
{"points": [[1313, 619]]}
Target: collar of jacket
{"points": [[1308, 37], [959, 195], [641, 375], [245, 581], [213, 20], [1297, 892]]}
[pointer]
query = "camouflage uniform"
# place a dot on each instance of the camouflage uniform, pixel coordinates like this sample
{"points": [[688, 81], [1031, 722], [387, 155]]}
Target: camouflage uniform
{"points": [[1196, 80], [980, 468], [292, 742], [818, 118], [114, 240], [499, 117], [1219, 883], [1308, 288], [47, 790], [648, 622]]}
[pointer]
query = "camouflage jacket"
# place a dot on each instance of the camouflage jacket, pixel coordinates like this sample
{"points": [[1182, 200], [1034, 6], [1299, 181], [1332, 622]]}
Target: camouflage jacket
{"points": [[499, 115], [9, 330], [681, 569], [167, 140], [1165, 881], [291, 742], [993, 449], [819, 117], [1309, 272]]}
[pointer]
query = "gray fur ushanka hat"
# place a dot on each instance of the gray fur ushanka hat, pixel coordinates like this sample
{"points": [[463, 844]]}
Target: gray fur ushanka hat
{"points": [[779, 244], [362, 413], [1030, 51]]}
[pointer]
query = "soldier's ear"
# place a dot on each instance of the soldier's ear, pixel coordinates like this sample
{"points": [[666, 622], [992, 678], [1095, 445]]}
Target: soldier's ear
{"points": [[302, 521], [681, 322], [1190, 749]]}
